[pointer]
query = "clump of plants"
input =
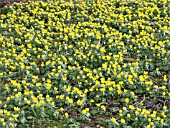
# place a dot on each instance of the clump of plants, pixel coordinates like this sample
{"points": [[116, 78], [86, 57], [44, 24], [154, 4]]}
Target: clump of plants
{"points": [[85, 63]]}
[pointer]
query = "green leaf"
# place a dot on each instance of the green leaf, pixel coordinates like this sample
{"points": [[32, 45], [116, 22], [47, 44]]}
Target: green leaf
{"points": [[23, 120]]}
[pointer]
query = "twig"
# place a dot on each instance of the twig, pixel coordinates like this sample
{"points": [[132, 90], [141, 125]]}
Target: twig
{"points": [[164, 102], [130, 60], [143, 99]]}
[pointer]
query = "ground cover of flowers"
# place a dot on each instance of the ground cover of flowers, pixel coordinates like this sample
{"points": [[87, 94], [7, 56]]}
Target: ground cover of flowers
{"points": [[85, 64]]}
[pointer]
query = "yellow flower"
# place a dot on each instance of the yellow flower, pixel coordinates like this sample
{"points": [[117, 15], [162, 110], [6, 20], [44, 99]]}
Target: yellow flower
{"points": [[102, 49], [154, 112], [3, 123], [66, 115], [148, 89], [16, 115], [141, 78], [2, 119], [38, 84], [128, 115], [122, 121], [104, 65], [148, 126], [127, 100], [125, 90], [119, 92], [84, 111], [163, 87], [152, 123], [11, 119], [61, 96], [70, 100], [3, 25], [16, 108], [113, 120], [5, 105], [79, 102], [1, 111], [163, 93], [158, 118], [124, 108], [87, 109], [131, 107], [164, 107], [56, 112], [161, 121], [103, 107], [61, 109], [92, 101], [149, 119]]}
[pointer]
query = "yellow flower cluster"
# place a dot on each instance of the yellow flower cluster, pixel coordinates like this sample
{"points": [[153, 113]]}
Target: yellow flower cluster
{"points": [[93, 57]]}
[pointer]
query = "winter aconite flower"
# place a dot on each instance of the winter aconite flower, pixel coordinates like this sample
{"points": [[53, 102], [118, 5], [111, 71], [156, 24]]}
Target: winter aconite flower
{"points": [[122, 121], [113, 120]]}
